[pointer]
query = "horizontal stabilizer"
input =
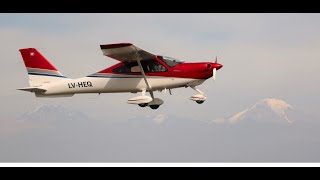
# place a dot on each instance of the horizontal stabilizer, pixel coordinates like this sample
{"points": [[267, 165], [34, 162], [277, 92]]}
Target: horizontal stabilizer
{"points": [[40, 95], [32, 89]]}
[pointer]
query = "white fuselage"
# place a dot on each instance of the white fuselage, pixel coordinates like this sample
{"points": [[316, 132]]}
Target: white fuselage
{"points": [[115, 85]]}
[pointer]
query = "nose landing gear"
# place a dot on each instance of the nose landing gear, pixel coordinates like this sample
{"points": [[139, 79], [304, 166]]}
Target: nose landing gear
{"points": [[198, 98]]}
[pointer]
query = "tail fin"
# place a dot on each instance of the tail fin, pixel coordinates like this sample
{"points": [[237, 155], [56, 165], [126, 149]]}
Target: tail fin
{"points": [[40, 70]]}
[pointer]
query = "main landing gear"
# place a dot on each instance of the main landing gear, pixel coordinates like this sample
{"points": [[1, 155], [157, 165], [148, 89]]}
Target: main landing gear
{"points": [[151, 106], [155, 104], [143, 105], [144, 100]]}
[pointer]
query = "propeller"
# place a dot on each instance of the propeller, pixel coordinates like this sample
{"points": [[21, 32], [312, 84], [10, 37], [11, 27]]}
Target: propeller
{"points": [[214, 74], [215, 71]]}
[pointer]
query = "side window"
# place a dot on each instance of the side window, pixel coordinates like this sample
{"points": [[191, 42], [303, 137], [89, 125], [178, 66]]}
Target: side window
{"points": [[127, 68], [153, 66], [122, 69]]}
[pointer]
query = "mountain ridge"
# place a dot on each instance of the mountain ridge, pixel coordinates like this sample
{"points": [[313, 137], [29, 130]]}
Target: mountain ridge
{"points": [[267, 110], [52, 113]]}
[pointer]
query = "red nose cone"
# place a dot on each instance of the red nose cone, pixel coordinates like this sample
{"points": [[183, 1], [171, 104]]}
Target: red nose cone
{"points": [[217, 66]]}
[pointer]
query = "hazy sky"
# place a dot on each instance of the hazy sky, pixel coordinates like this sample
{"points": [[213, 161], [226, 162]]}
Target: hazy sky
{"points": [[264, 55]]}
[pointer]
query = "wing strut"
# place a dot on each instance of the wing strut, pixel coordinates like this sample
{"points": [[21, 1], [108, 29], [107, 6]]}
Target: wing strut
{"points": [[143, 73]]}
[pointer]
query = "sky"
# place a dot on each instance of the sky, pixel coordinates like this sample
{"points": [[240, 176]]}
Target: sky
{"points": [[264, 56]]}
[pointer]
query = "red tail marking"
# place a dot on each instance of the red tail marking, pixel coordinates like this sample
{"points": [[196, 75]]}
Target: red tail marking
{"points": [[34, 59]]}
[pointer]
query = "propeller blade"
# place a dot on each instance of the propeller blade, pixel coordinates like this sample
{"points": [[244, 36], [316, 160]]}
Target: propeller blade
{"points": [[216, 59], [214, 74]]}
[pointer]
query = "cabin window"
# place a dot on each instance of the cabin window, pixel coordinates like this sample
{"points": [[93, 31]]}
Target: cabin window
{"points": [[172, 62], [153, 66], [149, 66]]}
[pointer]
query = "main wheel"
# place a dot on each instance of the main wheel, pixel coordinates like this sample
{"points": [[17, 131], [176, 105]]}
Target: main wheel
{"points": [[154, 106], [143, 105], [200, 102]]}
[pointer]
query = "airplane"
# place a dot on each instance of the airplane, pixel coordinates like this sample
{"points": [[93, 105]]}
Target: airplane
{"points": [[137, 72]]}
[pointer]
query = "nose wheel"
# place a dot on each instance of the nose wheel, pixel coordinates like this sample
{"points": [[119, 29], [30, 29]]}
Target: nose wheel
{"points": [[200, 102]]}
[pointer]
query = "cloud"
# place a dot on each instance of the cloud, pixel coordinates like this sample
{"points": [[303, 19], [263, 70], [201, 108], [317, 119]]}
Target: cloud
{"points": [[219, 120], [160, 118], [10, 127]]}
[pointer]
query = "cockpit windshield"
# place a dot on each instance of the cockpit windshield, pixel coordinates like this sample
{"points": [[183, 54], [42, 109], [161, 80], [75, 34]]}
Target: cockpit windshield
{"points": [[172, 62]]}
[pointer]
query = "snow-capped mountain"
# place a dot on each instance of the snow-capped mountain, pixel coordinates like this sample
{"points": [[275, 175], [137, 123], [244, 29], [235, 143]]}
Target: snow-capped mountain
{"points": [[49, 113], [267, 110]]}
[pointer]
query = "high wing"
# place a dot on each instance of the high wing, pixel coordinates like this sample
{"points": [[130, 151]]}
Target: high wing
{"points": [[125, 52]]}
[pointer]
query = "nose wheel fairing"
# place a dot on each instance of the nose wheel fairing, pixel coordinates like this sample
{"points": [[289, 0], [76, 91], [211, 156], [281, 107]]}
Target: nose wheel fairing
{"points": [[198, 98]]}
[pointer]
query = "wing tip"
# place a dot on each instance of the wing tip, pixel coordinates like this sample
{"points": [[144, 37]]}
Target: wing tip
{"points": [[117, 45]]}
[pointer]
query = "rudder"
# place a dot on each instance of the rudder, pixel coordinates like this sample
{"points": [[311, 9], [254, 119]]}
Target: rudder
{"points": [[40, 70]]}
